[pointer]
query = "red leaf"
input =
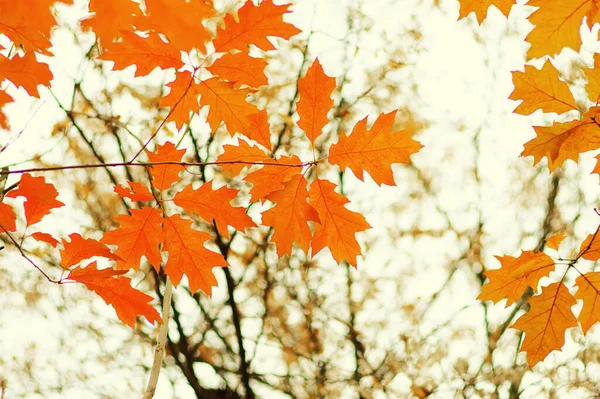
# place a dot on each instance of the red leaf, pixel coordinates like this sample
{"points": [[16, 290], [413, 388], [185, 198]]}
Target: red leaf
{"points": [[45, 237], [163, 176], [241, 156], [240, 69], [135, 192], [8, 218], [40, 197], [26, 72], [78, 249]]}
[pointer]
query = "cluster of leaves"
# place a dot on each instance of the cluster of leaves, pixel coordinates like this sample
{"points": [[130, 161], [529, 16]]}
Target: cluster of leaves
{"points": [[556, 26], [307, 211]]}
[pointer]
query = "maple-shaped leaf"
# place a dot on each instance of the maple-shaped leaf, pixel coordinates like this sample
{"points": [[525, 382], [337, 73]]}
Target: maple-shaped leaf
{"points": [[26, 72], [240, 156], [515, 275], [240, 69], [557, 24], [182, 98], [5, 98], [590, 247], [40, 197], [563, 141], [226, 104], [214, 205], [272, 176], [545, 323], [8, 218], [138, 234], [593, 76], [110, 18], [588, 290], [315, 100], [541, 89], [554, 241], [187, 255], [146, 53], [374, 150], [480, 8], [255, 24], [45, 237], [135, 192], [116, 290], [163, 176], [338, 224], [180, 21], [290, 216], [79, 248]]}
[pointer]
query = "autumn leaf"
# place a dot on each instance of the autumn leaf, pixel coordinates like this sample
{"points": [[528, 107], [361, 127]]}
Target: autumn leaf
{"points": [[593, 76], [182, 99], [214, 205], [557, 25], [5, 98], [541, 89], [338, 225], [26, 72], [240, 69], [187, 255], [590, 247], [78, 248], [135, 192], [241, 156], [254, 25], [554, 241], [226, 104], [110, 18], [139, 234], [259, 129], [271, 177], [597, 167], [8, 218], [315, 100], [116, 290], [146, 53], [546, 322], [290, 216], [589, 292], [480, 8], [515, 275], [374, 150], [163, 176], [563, 141], [45, 237], [40, 197]]}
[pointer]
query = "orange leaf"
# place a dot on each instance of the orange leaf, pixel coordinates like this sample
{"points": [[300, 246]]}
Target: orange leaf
{"points": [[240, 69], [139, 234], [589, 249], [515, 275], [8, 218], [117, 292], [593, 77], [145, 53], [40, 197], [315, 101], [597, 167], [254, 26], [214, 205], [182, 98], [187, 255], [78, 249], [480, 8], [554, 241], [271, 178], [5, 98], [110, 18], [135, 192], [563, 141], [26, 72], [290, 216], [589, 292], [557, 24], [226, 104], [546, 322], [244, 154], [45, 237], [541, 89], [338, 224], [259, 129], [180, 21], [163, 176], [375, 150]]}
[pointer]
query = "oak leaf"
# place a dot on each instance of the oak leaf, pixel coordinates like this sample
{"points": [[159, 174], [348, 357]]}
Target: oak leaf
{"points": [[78, 248], [290, 216], [593, 76], [187, 255], [45, 237], [589, 292], [8, 218], [515, 275], [40, 197], [26, 72], [240, 69], [237, 157], [338, 224], [110, 18], [116, 290], [554, 241], [541, 89], [590, 247], [480, 8], [374, 150], [163, 176], [135, 192], [545, 323], [5, 98], [272, 176], [182, 98]]}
